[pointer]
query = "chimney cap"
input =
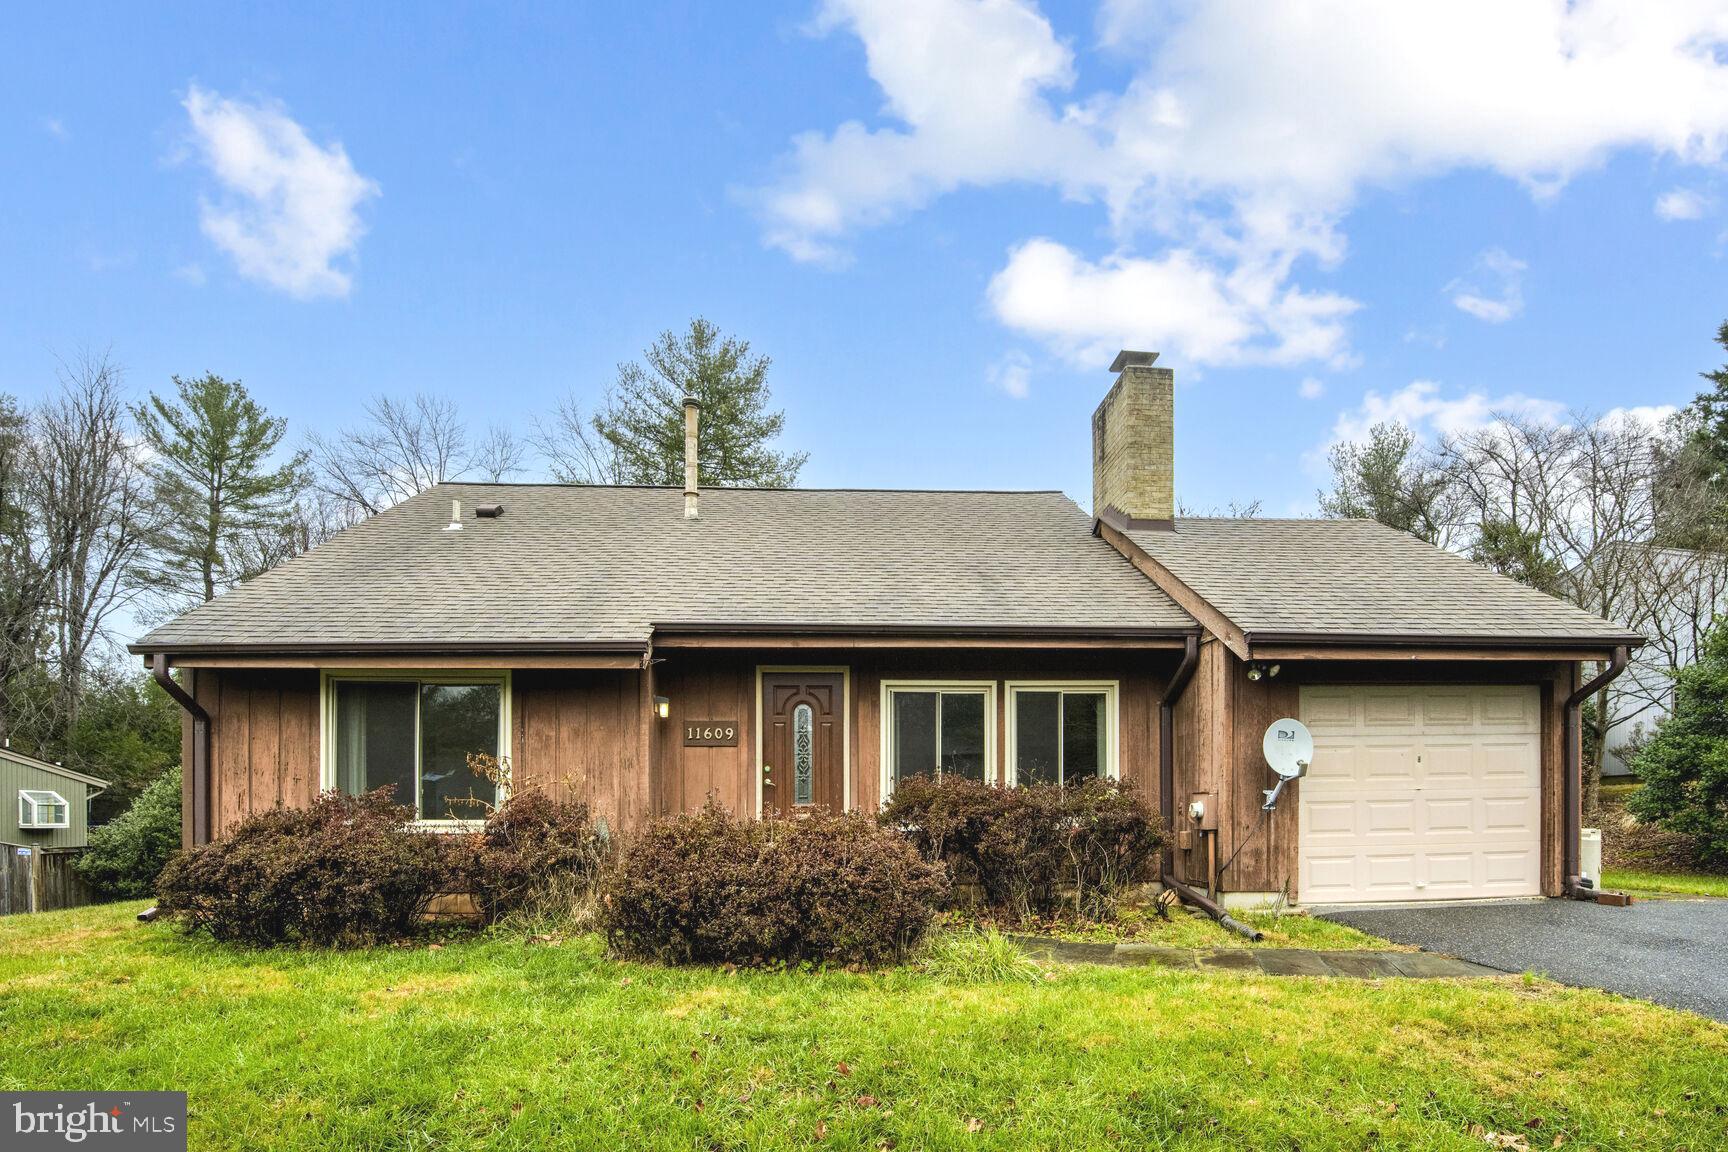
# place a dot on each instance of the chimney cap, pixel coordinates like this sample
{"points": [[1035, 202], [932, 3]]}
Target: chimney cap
{"points": [[1128, 358], [692, 402]]}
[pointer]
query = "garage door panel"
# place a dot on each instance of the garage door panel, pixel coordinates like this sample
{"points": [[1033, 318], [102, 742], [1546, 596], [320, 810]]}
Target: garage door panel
{"points": [[1421, 792], [1443, 816], [1385, 818], [1389, 710], [1381, 761]]}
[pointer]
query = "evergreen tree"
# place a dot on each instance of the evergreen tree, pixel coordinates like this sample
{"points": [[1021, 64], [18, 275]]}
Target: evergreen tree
{"points": [[640, 431], [210, 451], [1684, 766]]}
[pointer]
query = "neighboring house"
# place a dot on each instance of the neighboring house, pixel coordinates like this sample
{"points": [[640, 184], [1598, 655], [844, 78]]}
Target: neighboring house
{"points": [[1679, 593], [42, 830], [643, 649], [47, 806]]}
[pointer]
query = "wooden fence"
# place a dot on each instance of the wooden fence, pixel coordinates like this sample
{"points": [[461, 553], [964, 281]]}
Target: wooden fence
{"points": [[35, 879]]}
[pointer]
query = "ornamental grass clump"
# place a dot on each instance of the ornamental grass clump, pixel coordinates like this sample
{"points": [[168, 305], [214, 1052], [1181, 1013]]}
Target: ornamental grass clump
{"points": [[818, 888]]}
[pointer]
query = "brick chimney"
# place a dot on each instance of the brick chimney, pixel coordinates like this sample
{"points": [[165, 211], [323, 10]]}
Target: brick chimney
{"points": [[1134, 443]]}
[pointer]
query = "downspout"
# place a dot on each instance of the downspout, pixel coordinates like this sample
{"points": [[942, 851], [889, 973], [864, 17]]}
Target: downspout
{"points": [[1167, 790], [200, 746], [1572, 768]]}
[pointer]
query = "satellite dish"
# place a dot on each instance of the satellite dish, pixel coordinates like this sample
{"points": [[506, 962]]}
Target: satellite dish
{"points": [[1289, 750]]}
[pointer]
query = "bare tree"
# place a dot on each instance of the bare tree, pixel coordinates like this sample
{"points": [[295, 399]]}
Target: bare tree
{"points": [[404, 447], [94, 499], [574, 452], [30, 554], [500, 455]]}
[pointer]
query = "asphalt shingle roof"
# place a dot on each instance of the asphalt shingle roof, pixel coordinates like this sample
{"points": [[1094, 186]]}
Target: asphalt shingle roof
{"points": [[1357, 578], [573, 565]]}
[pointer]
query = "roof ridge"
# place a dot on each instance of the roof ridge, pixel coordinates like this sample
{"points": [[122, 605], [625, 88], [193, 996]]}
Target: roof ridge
{"points": [[727, 488]]}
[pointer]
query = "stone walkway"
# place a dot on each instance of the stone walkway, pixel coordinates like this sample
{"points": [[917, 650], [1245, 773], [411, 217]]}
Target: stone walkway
{"points": [[1267, 961]]}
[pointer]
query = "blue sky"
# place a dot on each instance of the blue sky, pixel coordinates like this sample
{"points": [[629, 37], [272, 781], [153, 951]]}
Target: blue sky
{"points": [[939, 218]]}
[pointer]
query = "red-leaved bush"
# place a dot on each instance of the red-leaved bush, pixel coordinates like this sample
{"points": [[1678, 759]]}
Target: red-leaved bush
{"points": [[346, 871], [1034, 850], [708, 888]]}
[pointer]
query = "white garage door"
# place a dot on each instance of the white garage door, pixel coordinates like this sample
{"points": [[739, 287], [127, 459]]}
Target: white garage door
{"points": [[1421, 793]]}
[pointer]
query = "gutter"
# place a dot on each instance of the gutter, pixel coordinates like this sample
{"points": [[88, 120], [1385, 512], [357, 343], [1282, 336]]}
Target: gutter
{"points": [[1167, 752], [1573, 884], [389, 647], [1439, 640], [200, 746]]}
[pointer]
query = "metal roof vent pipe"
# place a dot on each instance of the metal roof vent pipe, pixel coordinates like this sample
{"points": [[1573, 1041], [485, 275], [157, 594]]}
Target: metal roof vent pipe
{"points": [[455, 524], [692, 417]]}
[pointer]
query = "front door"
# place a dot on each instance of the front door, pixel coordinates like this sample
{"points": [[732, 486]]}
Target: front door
{"points": [[803, 741]]}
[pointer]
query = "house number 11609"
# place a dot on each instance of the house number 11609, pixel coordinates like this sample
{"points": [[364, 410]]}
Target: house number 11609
{"points": [[711, 734]]}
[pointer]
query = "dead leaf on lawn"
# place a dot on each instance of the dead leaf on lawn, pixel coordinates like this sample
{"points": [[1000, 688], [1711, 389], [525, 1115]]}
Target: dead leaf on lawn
{"points": [[973, 1124], [821, 1129], [843, 1068], [865, 1101]]}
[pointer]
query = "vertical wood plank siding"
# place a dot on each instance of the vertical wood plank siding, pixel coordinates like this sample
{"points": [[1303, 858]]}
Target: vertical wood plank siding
{"points": [[578, 736], [263, 743]]}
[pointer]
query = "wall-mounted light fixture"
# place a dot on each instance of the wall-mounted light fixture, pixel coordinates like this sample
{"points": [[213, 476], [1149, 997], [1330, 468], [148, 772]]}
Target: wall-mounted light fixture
{"points": [[662, 707], [1258, 671]]}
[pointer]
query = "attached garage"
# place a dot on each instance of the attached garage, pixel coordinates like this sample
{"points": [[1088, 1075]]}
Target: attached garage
{"points": [[1421, 792]]}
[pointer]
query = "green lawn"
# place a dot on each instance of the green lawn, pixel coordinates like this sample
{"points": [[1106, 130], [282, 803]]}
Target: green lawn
{"points": [[501, 1044], [1671, 883], [1188, 928]]}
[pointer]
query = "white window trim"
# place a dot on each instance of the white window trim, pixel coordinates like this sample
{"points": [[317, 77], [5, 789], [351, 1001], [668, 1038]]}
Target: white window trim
{"points": [[1112, 720], [327, 724], [27, 800], [889, 687]]}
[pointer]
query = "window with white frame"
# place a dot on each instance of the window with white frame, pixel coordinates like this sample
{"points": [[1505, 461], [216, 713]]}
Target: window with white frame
{"points": [[938, 730], [415, 735], [1061, 733], [39, 808]]}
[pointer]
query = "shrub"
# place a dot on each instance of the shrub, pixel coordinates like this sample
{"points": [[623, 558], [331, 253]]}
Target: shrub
{"points": [[346, 871], [1684, 766], [125, 856], [533, 854], [1034, 849], [710, 888]]}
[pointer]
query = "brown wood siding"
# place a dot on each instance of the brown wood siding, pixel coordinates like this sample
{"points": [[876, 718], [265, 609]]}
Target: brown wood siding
{"points": [[707, 686], [263, 743], [577, 736]]}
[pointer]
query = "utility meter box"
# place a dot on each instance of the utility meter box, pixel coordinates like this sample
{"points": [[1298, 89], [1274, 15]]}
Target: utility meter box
{"points": [[1203, 810]]}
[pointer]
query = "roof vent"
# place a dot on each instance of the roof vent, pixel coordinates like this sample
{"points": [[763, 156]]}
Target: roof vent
{"points": [[455, 524], [488, 511]]}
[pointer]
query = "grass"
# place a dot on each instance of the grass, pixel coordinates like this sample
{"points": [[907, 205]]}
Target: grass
{"points": [[1665, 883], [1187, 928], [501, 1044]]}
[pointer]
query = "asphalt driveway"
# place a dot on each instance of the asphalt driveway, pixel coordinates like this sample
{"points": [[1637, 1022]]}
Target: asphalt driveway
{"points": [[1669, 951]]}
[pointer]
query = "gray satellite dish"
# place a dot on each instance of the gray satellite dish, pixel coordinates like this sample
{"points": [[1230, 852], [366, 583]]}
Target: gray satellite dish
{"points": [[1289, 750]]}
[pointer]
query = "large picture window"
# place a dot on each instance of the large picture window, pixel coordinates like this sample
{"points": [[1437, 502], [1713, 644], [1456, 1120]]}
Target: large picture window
{"points": [[1061, 733], [414, 735], [939, 730]]}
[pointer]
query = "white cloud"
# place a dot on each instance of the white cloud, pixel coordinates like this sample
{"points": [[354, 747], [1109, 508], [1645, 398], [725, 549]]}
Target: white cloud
{"points": [[1245, 132], [1179, 303], [1494, 291], [1421, 407], [1311, 388], [55, 127], [1013, 374], [1681, 204], [289, 210]]}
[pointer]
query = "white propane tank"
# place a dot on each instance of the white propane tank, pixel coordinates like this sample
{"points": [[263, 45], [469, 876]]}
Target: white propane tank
{"points": [[1590, 855]]}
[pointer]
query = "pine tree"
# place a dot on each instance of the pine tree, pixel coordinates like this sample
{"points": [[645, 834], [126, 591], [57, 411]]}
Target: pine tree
{"points": [[210, 451]]}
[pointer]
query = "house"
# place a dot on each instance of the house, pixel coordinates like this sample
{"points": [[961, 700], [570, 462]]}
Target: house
{"points": [[47, 806], [1680, 593], [43, 826], [644, 649]]}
